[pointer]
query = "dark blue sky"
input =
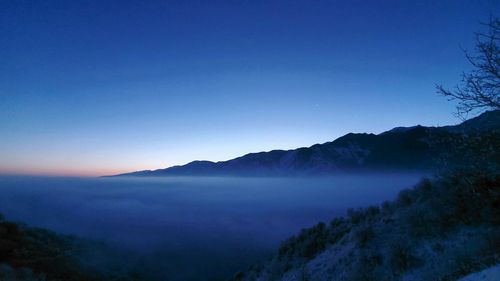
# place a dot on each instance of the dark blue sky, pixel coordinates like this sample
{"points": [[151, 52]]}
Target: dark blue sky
{"points": [[92, 87]]}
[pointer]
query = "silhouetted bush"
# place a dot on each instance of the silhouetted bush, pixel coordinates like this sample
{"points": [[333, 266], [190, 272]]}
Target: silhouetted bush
{"points": [[238, 276], [358, 215], [364, 235], [401, 258], [373, 211], [8, 273], [336, 222], [421, 222], [388, 208], [405, 198], [307, 244], [316, 241], [339, 228], [363, 269], [355, 216]]}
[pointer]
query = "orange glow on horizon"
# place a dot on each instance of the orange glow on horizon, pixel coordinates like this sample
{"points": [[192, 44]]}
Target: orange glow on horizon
{"points": [[67, 172]]}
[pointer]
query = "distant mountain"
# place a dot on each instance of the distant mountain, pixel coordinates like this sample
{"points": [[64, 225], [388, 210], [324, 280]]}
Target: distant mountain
{"points": [[400, 149]]}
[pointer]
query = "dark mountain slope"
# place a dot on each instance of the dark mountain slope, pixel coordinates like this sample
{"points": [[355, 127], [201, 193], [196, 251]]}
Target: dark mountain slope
{"points": [[400, 149]]}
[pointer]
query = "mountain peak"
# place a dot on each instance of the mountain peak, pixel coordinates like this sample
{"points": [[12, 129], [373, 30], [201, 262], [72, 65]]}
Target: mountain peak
{"points": [[399, 149]]}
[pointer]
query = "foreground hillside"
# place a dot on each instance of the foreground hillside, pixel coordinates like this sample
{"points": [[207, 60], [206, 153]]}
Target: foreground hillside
{"points": [[442, 229], [34, 254], [400, 149], [489, 274]]}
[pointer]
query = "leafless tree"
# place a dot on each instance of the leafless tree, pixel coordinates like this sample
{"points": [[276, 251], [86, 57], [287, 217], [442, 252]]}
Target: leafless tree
{"points": [[479, 88]]}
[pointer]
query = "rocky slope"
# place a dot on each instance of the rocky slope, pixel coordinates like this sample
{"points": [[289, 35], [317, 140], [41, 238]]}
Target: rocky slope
{"points": [[442, 229]]}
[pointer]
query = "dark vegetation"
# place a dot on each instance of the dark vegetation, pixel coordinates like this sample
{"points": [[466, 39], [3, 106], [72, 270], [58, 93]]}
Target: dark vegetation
{"points": [[384, 241], [479, 89], [37, 254]]}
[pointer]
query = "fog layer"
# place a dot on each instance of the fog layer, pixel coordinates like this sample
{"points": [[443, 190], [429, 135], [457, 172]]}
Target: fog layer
{"points": [[184, 228]]}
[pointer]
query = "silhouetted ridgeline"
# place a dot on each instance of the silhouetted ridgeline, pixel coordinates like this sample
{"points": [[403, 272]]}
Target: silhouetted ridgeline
{"points": [[400, 149]]}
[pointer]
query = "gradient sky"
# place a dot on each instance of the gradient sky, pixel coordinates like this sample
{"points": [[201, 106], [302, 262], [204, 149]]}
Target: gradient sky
{"points": [[98, 87]]}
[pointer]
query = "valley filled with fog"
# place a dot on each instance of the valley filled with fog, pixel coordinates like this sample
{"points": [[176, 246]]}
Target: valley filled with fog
{"points": [[186, 227]]}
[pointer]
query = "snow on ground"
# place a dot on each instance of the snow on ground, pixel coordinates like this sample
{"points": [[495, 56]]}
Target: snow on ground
{"points": [[489, 274]]}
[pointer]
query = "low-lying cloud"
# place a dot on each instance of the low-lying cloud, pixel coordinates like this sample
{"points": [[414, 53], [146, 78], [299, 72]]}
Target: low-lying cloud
{"points": [[199, 228]]}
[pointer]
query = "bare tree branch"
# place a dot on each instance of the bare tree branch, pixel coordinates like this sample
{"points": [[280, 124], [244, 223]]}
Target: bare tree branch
{"points": [[479, 89]]}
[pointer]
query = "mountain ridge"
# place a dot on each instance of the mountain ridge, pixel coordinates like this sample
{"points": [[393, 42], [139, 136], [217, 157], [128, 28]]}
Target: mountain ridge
{"points": [[401, 148]]}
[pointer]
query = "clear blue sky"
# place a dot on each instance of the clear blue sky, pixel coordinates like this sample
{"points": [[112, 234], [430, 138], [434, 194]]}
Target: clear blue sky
{"points": [[96, 87]]}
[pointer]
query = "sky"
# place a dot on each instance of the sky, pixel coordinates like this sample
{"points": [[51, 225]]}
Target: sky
{"points": [[91, 88]]}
